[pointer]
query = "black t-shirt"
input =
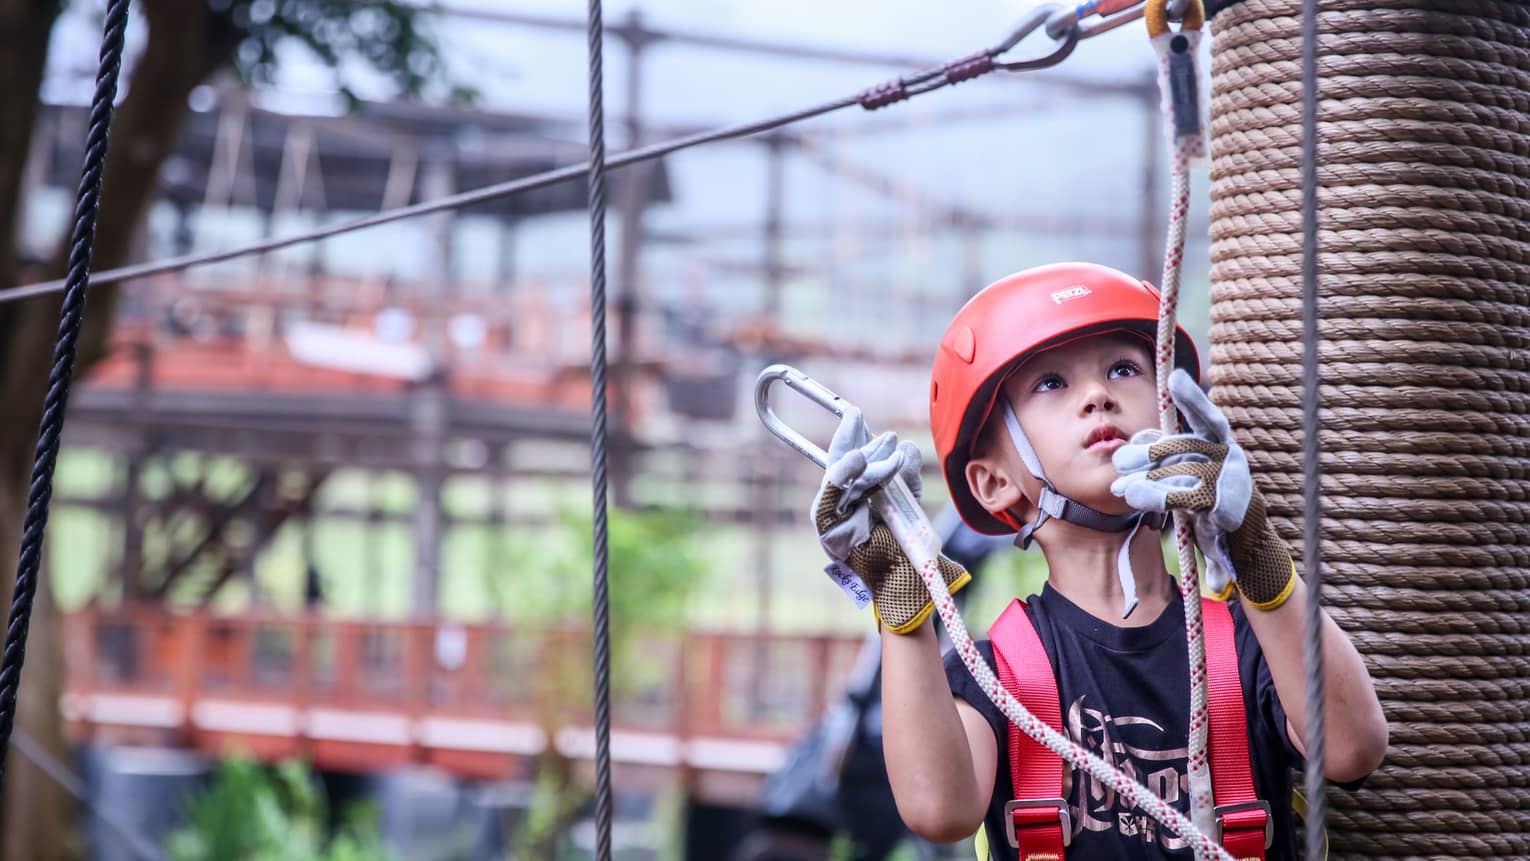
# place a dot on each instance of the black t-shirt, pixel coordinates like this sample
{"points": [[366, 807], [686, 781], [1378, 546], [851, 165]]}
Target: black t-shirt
{"points": [[1125, 695]]}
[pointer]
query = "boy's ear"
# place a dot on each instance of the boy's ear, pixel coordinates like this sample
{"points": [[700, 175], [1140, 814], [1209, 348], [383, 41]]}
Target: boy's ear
{"points": [[995, 490]]}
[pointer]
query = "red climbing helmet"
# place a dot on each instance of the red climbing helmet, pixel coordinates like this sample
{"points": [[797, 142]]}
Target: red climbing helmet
{"points": [[1001, 327]]}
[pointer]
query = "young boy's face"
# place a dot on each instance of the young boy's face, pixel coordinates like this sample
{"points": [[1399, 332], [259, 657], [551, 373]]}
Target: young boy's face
{"points": [[1077, 404]]}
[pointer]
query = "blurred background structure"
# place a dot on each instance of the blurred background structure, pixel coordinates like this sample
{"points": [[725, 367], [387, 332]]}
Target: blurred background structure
{"points": [[331, 504]]}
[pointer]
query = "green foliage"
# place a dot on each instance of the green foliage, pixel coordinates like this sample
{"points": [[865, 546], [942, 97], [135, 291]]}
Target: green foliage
{"points": [[654, 566], [554, 799], [387, 35], [253, 813]]}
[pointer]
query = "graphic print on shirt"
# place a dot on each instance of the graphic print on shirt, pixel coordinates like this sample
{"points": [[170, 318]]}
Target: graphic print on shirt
{"points": [[1139, 748]]}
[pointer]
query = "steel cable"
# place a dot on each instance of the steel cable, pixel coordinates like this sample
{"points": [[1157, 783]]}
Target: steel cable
{"points": [[602, 603]]}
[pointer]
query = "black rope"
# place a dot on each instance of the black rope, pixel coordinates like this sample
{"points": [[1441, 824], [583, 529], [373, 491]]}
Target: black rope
{"points": [[1312, 503], [77, 283], [597, 184]]}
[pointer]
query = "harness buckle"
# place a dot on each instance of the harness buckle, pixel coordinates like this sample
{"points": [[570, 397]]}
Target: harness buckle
{"points": [[1249, 822], [1012, 811]]}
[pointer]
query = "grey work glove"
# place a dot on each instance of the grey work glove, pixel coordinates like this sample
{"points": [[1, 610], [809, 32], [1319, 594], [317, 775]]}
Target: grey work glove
{"points": [[1205, 474], [855, 539]]}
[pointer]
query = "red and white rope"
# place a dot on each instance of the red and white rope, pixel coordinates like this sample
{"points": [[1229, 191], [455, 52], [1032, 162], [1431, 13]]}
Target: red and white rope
{"points": [[1071, 753], [900, 511], [1197, 828], [1185, 148]]}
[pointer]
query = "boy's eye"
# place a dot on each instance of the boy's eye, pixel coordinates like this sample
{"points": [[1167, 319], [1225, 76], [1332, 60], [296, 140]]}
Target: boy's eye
{"points": [[1124, 368], [1048, 383]]}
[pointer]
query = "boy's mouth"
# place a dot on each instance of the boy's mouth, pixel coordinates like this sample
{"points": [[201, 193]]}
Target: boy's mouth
{"points": [[1106, 438]]}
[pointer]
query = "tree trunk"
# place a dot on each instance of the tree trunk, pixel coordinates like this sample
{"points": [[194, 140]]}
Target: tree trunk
{"points": [[557, 801], [35, 814], [37, 820], [24, 29], [186, 44]]}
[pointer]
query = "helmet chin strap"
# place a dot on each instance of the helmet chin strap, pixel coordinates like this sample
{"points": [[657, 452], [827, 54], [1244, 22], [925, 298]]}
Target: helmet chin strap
{"points": [[1053, 505]]}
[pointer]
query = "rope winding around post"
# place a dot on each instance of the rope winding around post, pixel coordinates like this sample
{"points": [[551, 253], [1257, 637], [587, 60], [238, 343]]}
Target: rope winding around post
{"points": [[602, 614], [1423, 180], [81, 237]]}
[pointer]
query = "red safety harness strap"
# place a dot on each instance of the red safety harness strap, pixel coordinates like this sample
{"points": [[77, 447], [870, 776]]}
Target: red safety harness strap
{"points": [[1243, 821], [1036, 821]]}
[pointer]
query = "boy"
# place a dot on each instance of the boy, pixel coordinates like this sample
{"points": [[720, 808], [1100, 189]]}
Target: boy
{"points": [[1041, 385]]}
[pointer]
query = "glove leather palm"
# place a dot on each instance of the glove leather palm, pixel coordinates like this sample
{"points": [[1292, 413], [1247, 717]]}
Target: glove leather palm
{"points": [[1205, 475], [850, 534]]}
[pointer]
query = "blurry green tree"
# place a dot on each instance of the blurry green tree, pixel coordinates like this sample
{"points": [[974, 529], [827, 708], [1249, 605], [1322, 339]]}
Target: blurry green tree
{"points": [[655, 568], [188, 42], [253, 813]]}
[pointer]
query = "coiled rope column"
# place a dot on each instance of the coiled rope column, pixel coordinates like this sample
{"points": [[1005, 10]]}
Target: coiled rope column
{"points": [[1424, 274]]}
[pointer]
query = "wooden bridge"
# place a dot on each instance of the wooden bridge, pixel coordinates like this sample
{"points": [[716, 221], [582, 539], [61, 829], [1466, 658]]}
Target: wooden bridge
{"points": [[716, 711]]}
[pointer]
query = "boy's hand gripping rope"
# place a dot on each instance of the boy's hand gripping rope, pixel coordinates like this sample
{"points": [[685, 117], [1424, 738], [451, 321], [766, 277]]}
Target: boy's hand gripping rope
{"points": [[1179, 81], [900, 510]]}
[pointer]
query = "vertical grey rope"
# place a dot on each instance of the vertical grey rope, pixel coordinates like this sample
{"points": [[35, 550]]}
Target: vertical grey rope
{"points": [[71, 312], [597, 184], [1312, 504]]}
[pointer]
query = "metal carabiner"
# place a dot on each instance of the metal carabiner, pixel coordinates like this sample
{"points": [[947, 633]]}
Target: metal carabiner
{"points": [[809, 388], [1112, 22], [1066, 40], [1065, 18], [897, 505]]}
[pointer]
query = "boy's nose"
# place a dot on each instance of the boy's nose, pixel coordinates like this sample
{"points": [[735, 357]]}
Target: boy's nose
{"points": [[1097, 398]]}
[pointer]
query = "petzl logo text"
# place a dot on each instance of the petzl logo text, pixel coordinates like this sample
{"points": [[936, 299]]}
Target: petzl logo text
{"points": [[1062, 296]]}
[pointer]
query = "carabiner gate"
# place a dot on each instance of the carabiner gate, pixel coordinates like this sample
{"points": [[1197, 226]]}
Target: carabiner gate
{"points": [[894, 503], [1042, 18], [809, 388]]}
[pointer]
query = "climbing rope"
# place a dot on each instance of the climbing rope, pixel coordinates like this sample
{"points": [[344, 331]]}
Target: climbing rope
{"points": [[1425, 387], [77, 283], [602, 601], [874, 98], [1073, 754], [897, 506], [71, 313], [1179, 82]]}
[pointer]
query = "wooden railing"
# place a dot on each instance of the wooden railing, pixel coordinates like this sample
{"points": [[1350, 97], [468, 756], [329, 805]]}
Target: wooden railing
{"points": [[266, 681]]}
